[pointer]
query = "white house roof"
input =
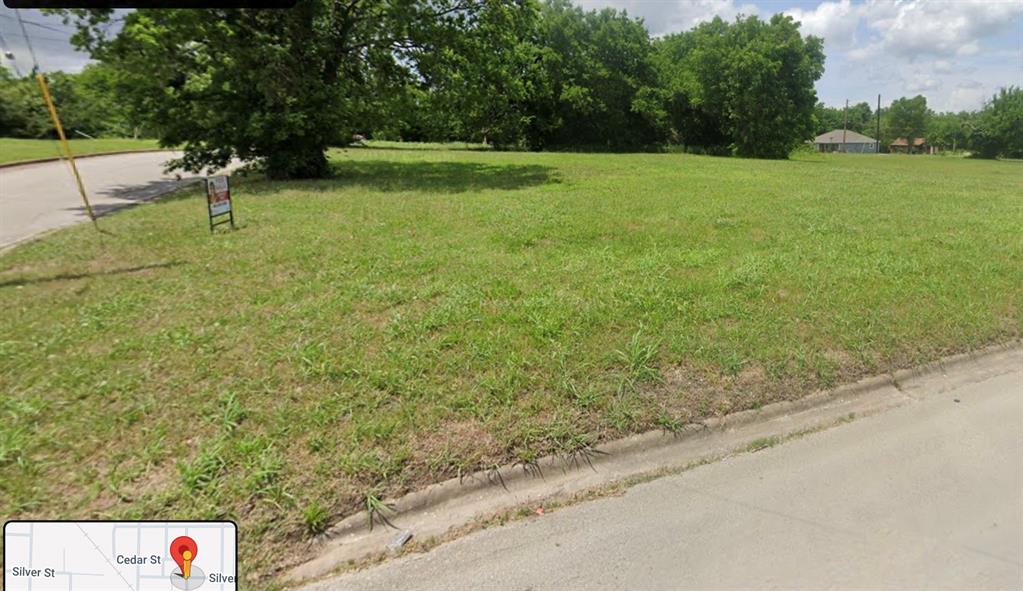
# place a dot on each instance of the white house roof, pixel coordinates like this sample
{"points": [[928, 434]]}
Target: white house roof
{"points": [[835, 137]]}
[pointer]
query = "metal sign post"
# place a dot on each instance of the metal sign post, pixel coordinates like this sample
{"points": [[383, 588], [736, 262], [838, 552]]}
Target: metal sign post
{"points": [[218, 201]]}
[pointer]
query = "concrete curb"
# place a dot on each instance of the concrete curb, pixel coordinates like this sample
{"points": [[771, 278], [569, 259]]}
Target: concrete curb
{"points": [[439, 508], [79, 157]]}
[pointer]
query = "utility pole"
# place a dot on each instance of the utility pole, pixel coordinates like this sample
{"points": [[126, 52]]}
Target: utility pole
{"points": [[877, 140], [63, 142], [845, 122]]}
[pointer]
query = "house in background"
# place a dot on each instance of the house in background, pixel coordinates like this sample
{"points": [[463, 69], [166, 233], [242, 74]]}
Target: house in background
{"points": [[838, 140], [920, 146]]}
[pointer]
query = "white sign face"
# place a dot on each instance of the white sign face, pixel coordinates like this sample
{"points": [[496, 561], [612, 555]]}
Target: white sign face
{"points": [[218, 195]]}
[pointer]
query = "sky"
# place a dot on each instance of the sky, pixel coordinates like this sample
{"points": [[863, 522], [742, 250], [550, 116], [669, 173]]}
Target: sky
{"points": [[957, 53]]}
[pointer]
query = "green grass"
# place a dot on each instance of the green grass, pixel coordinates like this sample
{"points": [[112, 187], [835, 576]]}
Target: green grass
{"points": [[17, 150], [428, 313], [392, 145]]}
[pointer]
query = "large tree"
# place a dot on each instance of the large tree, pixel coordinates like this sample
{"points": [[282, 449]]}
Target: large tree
{"points": [[746, 86], [950, 130], [481, 85], [999, 129], [907, 118], [591, 64], [274, 86]]}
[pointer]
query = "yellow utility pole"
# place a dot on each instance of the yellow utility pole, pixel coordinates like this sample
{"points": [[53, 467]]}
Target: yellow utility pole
{"points": [[67, 147]]}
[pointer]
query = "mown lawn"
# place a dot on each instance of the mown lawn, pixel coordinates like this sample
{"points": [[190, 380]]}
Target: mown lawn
{"points": [[17, 150], [433, 312]]}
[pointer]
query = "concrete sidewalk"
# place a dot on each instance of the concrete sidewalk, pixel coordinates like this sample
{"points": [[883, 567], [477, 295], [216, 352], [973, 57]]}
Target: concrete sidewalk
{"points": [[928, 495], [35, 198]]}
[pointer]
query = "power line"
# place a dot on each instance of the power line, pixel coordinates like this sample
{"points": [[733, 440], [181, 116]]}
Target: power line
{"points": [[35, 24], [32, 52], [45, 38], [14, 63]]}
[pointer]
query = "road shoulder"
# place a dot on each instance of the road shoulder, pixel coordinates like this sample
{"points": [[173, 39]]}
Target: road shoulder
{"points": [[458, 504]]}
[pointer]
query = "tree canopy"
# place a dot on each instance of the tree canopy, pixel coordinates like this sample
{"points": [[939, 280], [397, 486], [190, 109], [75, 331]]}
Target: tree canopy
{"points": [[907, 118], [999, 127], [747, 85], [89, 104], [279, 87], [276, 86]]}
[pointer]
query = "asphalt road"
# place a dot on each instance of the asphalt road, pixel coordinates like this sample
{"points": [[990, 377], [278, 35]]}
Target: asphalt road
{"points": [[35, 198], [926, 496]]}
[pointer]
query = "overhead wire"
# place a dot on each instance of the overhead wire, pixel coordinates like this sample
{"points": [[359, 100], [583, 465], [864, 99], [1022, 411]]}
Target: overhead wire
{"points": [[28, 42], [38, 38], [35, 24], [14, 63]]}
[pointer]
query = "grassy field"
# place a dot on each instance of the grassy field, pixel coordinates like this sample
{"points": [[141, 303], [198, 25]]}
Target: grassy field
{"points": [[17, 150], [390, 145], [428, 313]]}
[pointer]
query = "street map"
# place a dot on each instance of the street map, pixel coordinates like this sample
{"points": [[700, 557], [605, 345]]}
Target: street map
{"points": [[120, 555]]}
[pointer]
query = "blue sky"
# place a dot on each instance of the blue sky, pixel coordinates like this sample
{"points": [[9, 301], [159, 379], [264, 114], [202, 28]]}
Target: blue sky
{"points": [[957, 53]]}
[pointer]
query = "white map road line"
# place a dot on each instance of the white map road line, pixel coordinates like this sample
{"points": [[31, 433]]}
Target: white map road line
{"points": [[105, 557]]}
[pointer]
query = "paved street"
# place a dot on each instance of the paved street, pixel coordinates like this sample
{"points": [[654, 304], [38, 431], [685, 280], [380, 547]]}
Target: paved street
{"points": [[35, 198], [926, 496]]}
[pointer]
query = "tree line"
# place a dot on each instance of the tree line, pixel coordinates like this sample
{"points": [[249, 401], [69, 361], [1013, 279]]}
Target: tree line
{"points": [[88, 102], [280, 87], [994, 131]]}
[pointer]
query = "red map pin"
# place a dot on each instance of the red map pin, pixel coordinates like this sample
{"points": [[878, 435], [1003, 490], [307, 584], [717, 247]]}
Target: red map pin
{"points": [[183, 550]]}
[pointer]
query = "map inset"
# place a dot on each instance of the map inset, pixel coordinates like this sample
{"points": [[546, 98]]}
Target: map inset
{"points": [[120, 555]]}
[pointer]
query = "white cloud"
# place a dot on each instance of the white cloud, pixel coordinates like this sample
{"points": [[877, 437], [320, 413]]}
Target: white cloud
{"points": [[966, 99], [671, 16], [836, 22], [936, 48], [923, 29], [921, 83]]}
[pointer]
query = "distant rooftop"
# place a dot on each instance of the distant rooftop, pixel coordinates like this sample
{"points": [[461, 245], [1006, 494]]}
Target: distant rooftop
{"points": [[835, 137], [902, 141]]}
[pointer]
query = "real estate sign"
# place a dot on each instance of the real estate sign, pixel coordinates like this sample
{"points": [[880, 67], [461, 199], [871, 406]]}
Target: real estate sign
{"points": [[218, 200], [218, 193]]}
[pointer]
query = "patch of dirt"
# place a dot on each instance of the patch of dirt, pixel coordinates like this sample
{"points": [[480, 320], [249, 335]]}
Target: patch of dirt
{"points": [[697, 393], [467, 442], [157, 479]]}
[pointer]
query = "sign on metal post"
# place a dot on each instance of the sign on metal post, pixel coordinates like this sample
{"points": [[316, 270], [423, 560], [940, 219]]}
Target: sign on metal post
{"points": [[218, 201]]}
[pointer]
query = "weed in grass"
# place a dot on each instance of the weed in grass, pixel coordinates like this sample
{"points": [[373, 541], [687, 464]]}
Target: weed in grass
{"points": [[584, 397], [204, 470], [264, 475], [639, 357], [762, 443], [14, 439], [153, 449], [315, 518], [377, 510], [231, 412], [669, 423]]}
